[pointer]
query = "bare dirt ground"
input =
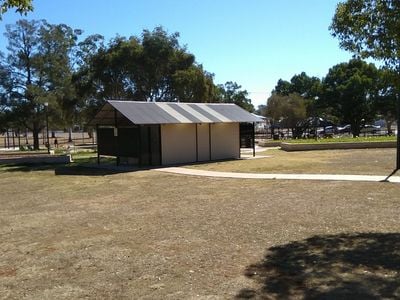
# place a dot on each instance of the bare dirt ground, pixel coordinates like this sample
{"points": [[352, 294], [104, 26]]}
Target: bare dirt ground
{"points": [[148, 235]]}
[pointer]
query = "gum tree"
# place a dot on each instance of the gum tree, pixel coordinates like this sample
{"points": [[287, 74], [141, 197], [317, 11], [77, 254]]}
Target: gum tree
{"points": [[349, 91], [37, 70], [20, 6], [370, 29]]}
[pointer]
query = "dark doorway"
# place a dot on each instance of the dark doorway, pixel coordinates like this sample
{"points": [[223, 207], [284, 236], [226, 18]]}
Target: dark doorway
{"points": [[133, 145], [246, 135]]}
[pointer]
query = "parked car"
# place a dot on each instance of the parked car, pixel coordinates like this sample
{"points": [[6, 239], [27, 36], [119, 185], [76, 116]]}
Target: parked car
{"points": [[344, 129], [370, 129], [327, 131]]}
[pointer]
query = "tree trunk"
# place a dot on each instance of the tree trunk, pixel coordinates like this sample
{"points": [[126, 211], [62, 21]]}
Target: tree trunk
{"points": [[355, 128], [389, 127], [70, 135], [35, 133]]}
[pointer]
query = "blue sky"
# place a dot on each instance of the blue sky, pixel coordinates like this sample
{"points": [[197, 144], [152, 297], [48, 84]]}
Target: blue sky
{"points": [[252, 42]]}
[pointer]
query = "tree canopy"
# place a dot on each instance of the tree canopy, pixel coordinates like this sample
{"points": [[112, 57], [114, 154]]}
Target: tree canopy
{"points": [[369, 28], [154, 67], [37, 70], [302, 84], [231, 92], [288, 109], [21, 6], [49, 64], [349, 89]]}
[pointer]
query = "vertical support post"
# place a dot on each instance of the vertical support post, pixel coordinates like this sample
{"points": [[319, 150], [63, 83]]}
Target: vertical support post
{"points": [[209, 138], [140, 146], [19, 138], [150, 148], [160, 140], [98, 152], [116, 136], [47, 131], [13, 138], [398, 134], [197, 145], [254, 139], [8, 139]]}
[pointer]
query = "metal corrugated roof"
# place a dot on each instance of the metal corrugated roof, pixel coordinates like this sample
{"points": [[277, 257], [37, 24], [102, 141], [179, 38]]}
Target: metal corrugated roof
{"points": [[173, 113]]}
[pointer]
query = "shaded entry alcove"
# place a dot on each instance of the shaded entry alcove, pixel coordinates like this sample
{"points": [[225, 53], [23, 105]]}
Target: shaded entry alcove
{"points": [[133, 145], [247, 136]]}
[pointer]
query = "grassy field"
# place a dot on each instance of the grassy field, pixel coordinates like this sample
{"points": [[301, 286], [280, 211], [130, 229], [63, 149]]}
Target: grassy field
{"points": [[360, 162], [80, 233], [343, 139]]}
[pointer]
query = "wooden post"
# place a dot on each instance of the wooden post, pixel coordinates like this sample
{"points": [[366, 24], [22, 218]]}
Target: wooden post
{"points": [[197, 144], [254, 139], [116, 136], [209, 138], [13, 137], [19, 138], [398, 134], [98, 153], [8, 139]]}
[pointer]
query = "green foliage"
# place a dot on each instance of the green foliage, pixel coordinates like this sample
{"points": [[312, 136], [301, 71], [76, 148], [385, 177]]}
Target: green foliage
{"points": [[38, 70], [289, 110], [386, 98], [21, 6], [231, 92], [349, 90], [193, 85], [154, 67], [307, 87], [151, 68], [46, 63], [302, 84], [283, 87], [261, 110], [369, 28]]}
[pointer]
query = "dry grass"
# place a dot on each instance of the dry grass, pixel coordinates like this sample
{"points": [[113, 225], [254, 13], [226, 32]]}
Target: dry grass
{"points": [[360, 162], [149, 235]]}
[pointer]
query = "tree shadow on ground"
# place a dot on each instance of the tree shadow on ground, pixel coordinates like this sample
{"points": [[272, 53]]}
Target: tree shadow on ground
{"points": [[77, 170], [345, 266], [27, 167], [91, 171]]}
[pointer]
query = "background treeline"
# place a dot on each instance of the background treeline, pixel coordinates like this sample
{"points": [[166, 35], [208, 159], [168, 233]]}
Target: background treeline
{"points": [[50, 68], [53, 69], [352, 93]]}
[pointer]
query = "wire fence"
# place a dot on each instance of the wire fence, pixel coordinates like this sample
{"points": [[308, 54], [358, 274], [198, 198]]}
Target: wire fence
{"points": [[17, 140]]}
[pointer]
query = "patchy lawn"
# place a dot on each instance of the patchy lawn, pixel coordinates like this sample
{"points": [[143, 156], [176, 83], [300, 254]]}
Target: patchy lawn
{"points": [[344, 139], [149, 235], [358, 162]]}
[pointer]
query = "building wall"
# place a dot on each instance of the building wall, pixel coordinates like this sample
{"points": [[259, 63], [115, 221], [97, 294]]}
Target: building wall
{"points": [[178, 143], [225, 140], [203, 142]]}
